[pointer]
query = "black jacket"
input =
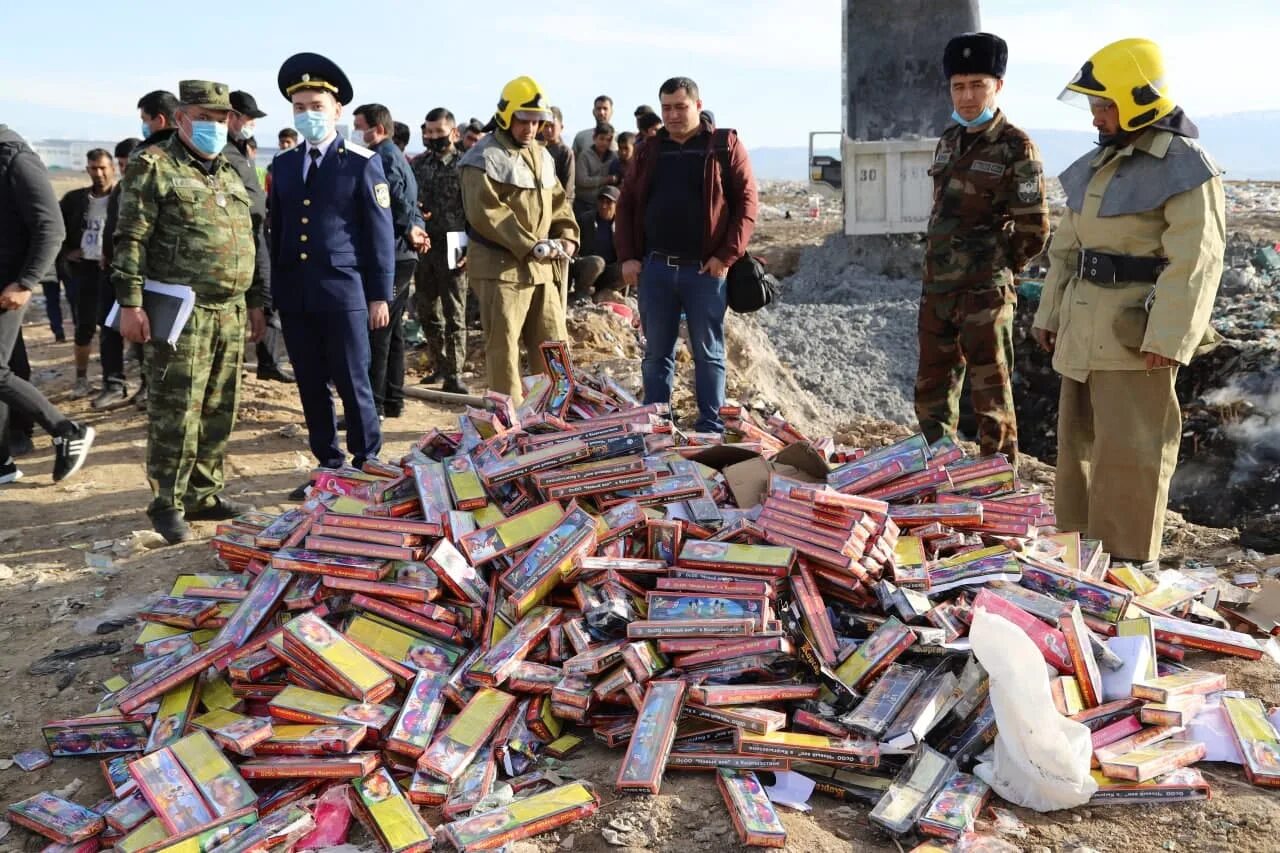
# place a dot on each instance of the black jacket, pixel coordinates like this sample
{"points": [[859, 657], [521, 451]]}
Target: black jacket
{"points": [[30, 223]]}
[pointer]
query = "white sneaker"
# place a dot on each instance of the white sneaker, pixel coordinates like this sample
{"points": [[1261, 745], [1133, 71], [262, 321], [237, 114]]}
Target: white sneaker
{"points": [[9, 472]]}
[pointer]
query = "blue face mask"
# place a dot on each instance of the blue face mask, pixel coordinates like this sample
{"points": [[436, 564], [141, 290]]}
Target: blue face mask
{"points": [[314, 126], [985, 116], [146, 130], [208, 137]]}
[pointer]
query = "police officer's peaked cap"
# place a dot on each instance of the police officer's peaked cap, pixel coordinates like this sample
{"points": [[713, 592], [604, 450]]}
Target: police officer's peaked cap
{"points": [[313, 71], [246, 104], [975, 53], [204, 94]]}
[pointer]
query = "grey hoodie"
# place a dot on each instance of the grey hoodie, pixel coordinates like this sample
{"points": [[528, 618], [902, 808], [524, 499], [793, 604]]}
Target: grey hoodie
{"points": [[31, 229]]}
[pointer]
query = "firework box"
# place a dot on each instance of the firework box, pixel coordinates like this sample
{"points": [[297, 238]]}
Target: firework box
{"points": [[562, 746], [148, 836], [770, 560], [300, 705], [507, 535], [233, 731], [1257, 738], [103, 733], [642, 766], [142, 692], [557, 365], [454, 748], [171, 792], [127, 814], [530, 677], [844, 784], [647, 629], [750, 694], [1096, 598], [1190, 682], [311, 739], [189, 613], [928, 705], [666, 606], [176, 708], [1076, 635], [56, 818], [505, 655], [523, 818], [335, 546], [912, 791], [816, 621], [884, 701], [1154, 760], [305, 767], [423, 619], [1195, 636], [389, 815], [340, 662], [956, 807], [116, 771], [843, 752], [875, 654], [253, 611], [643, 660], [523, 464], [690, 757], [320, 562], [420, 713], [1183, 784], [459, 576], [997, 563], [595, 660], [753, 815], [279, 829], [465, 488], [1048, 640], [1178, 711], [476, 783], [549, 561], [213, 774], [589, 471]]}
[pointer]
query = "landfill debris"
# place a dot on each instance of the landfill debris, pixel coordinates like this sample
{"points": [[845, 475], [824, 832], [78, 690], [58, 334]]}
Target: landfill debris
{"points": [[419, 642], [63, 659]]}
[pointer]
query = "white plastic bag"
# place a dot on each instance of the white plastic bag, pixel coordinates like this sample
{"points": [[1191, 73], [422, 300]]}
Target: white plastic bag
{"points": [[1041, 757]]}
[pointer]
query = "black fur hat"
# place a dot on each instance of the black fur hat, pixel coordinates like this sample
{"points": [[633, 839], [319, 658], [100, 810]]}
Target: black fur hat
{"points": [[975, 53]]}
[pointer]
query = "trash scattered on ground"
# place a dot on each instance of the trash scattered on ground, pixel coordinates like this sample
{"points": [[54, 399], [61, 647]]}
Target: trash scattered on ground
{"points": [[418, 644]]}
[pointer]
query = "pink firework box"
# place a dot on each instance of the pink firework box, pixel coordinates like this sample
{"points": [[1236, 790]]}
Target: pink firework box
{"points": [[56, 818], [518, 531], [1049, 641], [454, 748], [171, 792], [505, 655], [321, 645], [419, 715], [433, 491], [650, 743]]}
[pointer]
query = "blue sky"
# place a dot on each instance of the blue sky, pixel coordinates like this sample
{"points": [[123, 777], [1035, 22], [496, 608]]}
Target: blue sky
{"points": [[771, 69]]}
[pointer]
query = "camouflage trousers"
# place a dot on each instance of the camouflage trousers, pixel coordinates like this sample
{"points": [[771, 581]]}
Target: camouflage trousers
{"points": [[194, 390], [440, 297], [968, 330]]}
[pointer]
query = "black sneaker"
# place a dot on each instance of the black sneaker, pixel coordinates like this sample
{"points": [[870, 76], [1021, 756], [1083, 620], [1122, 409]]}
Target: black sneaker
{"points": [[9, 472], [300, 493], [434, 379], [220, 509], [170, 524], [453, 385], [273, 374], [20, 445], [113, 395], [70, 451]]}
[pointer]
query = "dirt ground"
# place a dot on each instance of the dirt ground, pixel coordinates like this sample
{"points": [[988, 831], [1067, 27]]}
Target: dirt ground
{"points": [[68, 563]]}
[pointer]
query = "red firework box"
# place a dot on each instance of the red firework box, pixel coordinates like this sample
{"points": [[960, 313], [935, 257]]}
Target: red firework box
{"points": [[171, 792], [233, 731], [56, 818], [843, 752], [713, 585], [552, 559], [356, 548], [769, 560], [875, 654], [719, 695], [214, 776], [613, 683], [1208, 637], [519, 465], [454, 747], [180, 612], [663, 540], [805, 593], [1169, 687], [311, 739], [666, 490], [595, 660], [336, 659], [416, 593], [1049, 641], [103, 733], [691, 757], [1177, 711], [621, 520], [587, 471], [390, 538], [696, 652], [755, 720], [754, 818], [509, 534], [504, 656], [342, 565], [1077, 638], [922, 483], [142, 692], [961, 513], [459, 576], [663, 606], [535, 678], [643, 661], [523, 818], [306, 767], [358, 525], [300, 705], [412, 616], [558, 366], [383, 808], [465, 488], [650, 744], [603, 485], [125, 816], [1257, 739], [433, 492], [1153, 760], [648, 629]]}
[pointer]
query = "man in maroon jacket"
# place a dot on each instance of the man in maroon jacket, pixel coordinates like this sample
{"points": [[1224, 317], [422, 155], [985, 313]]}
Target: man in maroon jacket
{"points": [[682, 222]]}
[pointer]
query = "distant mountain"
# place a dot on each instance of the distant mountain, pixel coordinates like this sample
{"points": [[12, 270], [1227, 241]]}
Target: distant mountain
{"points": [[1242, 143]]}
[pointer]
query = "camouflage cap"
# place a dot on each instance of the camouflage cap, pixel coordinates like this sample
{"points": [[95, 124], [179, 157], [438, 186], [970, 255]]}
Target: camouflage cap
{"points": [[205, 94]]}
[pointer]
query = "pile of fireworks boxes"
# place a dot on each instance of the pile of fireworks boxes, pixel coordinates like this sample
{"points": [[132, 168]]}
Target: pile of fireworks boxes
{"points": [[421, 635]]}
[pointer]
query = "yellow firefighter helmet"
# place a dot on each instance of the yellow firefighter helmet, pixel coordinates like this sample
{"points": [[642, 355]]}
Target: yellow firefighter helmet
{"points": [[1129, 72], [522, 98]]}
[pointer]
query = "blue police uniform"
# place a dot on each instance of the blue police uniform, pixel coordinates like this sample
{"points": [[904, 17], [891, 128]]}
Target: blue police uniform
{"points": [[332, 253]]}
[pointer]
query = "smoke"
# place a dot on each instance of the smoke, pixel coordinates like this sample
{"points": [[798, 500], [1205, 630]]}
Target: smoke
{"points": [[1255, 401]]}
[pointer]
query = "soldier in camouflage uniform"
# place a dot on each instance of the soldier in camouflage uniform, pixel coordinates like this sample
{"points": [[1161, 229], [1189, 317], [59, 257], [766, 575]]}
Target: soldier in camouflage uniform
{"points": [[184, 219], [989, 219], [440, 292]]}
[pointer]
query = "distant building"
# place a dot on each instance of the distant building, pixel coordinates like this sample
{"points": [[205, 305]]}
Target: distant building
{"points": [[67, 153]]}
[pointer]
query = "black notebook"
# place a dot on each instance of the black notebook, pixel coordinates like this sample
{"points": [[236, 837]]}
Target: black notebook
{"points": [[168, 308]]}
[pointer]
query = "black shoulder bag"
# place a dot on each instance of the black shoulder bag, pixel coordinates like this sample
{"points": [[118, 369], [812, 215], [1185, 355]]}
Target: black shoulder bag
{"points": [[748, 286]]}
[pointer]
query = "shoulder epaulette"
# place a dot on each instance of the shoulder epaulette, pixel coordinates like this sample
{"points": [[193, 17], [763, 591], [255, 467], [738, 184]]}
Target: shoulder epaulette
{"points": [[356, 148]]}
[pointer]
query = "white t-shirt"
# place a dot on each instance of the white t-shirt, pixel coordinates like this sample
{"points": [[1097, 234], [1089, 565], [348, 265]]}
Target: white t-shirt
{"points": [[95, 222]]}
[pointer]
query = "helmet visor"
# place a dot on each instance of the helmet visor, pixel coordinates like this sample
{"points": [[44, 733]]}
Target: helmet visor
{"points": [[1081, 101], [533, 115]]}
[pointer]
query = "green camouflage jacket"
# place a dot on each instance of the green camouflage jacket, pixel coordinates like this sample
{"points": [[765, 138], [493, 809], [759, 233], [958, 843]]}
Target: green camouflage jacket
{"points": [[182, 225], [440, 194], [990, 216]]}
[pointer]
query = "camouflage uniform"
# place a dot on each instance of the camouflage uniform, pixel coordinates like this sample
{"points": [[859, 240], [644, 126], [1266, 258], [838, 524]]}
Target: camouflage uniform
{"points": [[184, 220], [441, 293], [989, 219]]}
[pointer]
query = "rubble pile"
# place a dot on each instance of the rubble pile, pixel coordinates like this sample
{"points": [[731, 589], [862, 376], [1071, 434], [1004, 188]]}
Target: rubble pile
{"points": [[420, 643]]}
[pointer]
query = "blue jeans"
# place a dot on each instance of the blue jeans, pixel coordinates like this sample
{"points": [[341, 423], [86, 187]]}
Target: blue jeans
{"points": [[53, 303], [665, 292]]}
